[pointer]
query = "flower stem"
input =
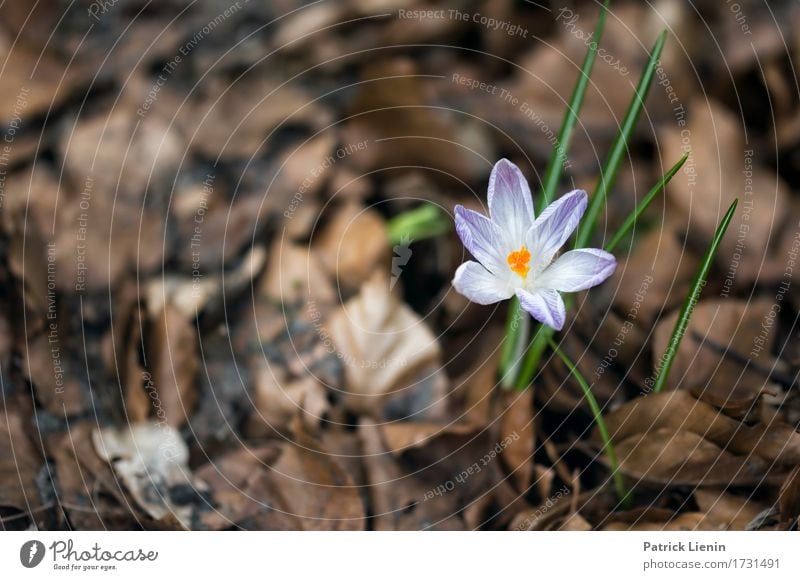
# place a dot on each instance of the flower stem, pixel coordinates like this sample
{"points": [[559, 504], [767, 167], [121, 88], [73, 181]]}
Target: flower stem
{"points": [[518, 327]]}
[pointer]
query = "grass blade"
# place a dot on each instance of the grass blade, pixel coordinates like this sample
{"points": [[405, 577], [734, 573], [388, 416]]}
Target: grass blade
{"points": [[608, 174], [425, 221], [555, 165], [608, 446], [630, 221], [691, 301]]}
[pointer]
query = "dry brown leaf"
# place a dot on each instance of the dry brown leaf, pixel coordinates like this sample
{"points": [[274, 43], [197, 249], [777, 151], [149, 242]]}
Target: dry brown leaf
{"points": [[516, 421], [20, 463], [719, 171], [390, 114], [402, 436], [103, 213], [664, 419], [233, 480], [385, 346], [314, 488], [398, 497], [353, 244], [683, 457], [296, 275], [58, 381], [727, 511]]}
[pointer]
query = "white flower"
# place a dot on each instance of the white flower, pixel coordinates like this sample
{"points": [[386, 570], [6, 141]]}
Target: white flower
{"points": [[515, 249]]}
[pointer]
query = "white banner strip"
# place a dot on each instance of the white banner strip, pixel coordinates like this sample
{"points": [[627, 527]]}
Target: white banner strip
{"points": [[398, 555]]}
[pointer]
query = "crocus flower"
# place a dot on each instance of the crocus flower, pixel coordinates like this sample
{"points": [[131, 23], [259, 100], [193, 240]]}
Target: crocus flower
{"points": [[516, 250]]}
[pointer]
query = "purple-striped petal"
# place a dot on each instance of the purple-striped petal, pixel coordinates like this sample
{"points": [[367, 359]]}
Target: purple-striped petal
{"points": [[555, 225], [545, 305], [510, 202], [578, 270], [479, 285], [484, 239]]}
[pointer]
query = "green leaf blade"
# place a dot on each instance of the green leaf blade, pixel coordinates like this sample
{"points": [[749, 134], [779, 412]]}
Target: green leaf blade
{"points": [[555, 165], [691, 301], [608, 446], [608, 174], [632, 218]]}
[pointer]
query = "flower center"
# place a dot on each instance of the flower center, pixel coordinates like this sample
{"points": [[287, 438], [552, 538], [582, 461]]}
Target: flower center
{"points": [[519, 261]]}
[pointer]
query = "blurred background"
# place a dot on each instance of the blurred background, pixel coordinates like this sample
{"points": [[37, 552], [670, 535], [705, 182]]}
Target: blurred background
{"points": [[213, 314]]}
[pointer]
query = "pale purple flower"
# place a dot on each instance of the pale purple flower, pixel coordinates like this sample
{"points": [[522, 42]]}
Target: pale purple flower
{"points": [[516, 250]]}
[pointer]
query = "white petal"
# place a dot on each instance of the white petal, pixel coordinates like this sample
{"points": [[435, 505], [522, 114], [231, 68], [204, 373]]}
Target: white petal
{"points": [[483, 238], [578, 270], [510, 202], [545, 305], [555, 225], [479, 285]]}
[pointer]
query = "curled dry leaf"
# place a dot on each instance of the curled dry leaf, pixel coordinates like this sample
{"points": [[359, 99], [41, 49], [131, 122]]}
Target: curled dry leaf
{"points": [[278, 400], [151, 460], [174, 362], [385, 346], [85, 485]]}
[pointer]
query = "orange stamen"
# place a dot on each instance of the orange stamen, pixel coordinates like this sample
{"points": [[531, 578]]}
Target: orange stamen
{"points": [[519, 261]]}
